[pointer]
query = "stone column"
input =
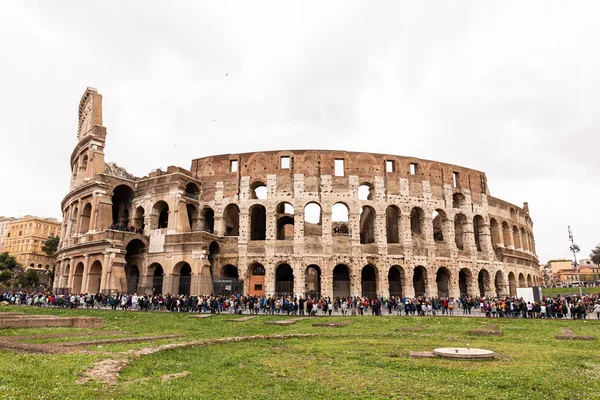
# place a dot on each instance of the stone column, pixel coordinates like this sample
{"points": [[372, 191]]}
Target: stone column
{"points": [[86, 273], [407, 285]]}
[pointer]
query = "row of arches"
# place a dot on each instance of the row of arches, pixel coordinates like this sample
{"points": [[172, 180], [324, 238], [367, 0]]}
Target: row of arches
{"points": [[504, 235]]}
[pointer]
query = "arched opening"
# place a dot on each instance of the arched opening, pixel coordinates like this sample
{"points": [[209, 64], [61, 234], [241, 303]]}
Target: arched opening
{"points": [[192, 191], [83, 169], [285, 221], [231, 218], [392, 224], [442, 279], [524, 239], [417, 223], [499, 284], [478, 230], [228, 282], [284, 280], [160, 215], [213, 256], [495, 231], [312, 282], [258, 190], [138, 220], [439, 222], [157, 278], [77, 278], [513, 214], [368, 280], [73, 223], [512, 284], [465, 282], [395, 280], [507, 235], [458, 200], [257, 280], [258, 222], [134, 256], [185, 278], [313, 224], [367, 225], [529, 281], [341, 281], [192, 214], [94, 278], [86, 216], [420, 280], [460, 231], [121, 202], [365, 191], [208, 220], [517, 237], [339, 219], [132, 274], [483, 279]]}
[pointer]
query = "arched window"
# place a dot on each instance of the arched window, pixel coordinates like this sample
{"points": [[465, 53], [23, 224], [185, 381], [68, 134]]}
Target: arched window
{"points": [[160, 215], [417, 222], [86, 215], [392, 224], [365, 191], [192, 214], [258, 222], [192, 191], [208, 220], [439, 221], [285, 221], [339, 219], [458, 200], [258, 190], [478, 230], [367, 225], [232, 220], [460, 231], [121, 202], [312, 220]]}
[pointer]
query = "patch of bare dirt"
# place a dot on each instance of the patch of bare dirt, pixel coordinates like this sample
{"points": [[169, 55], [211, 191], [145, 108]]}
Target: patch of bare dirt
{"points": [[331, 324], [568, 334], [487, 330]]}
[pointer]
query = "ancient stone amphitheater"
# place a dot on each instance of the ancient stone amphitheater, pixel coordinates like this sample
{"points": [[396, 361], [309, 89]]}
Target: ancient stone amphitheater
{"points": [[302, 222]]}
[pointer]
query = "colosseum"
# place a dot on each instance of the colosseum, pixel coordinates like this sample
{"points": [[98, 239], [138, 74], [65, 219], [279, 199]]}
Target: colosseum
{"points": [[302, 222]]}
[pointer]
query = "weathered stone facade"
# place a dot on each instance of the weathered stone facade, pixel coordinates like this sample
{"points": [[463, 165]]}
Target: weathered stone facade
{"points": [[330, 223]]}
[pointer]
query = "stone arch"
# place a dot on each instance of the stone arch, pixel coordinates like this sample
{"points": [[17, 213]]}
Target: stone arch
{"points": [[256, 280], [365, 191], [258, 190], [417, 223], [368, 280], [192, 214], [458, 200], [440, 225], [341, 281], [516, 237], [460, 231], [122, 197], [86, 218], [340, 213], [529, 281], [132, 276], [499, 284], [396, 281], [160, 215], [513, 214], [496, 233], [420, 280], [284, 280], [465, 282], [312, 282], [138, 220], [229, 271], [443, 281], [258, 222], [313, 225], [83, 168], [479, 231], [367, 225], [213, 256], [483, 280], [207, 220], [156, 271], [231, 220], [192, 191], [94, 277], [285, 221], [182, 278], [507, 235], [78, 278], [392, 224], [524, 240], [512, 284]]}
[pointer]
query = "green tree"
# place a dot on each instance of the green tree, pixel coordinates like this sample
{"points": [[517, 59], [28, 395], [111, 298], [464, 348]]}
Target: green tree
{"points": [[5, 275], [595, 255], [50, 246], [7, 262], [29, 278]]}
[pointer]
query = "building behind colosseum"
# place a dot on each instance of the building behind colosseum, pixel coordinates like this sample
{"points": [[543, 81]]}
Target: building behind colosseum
{"points": [[307, 222]]}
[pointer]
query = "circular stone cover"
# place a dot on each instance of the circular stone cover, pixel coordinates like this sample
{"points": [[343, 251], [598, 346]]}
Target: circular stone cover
{"points": [[463, 353]]}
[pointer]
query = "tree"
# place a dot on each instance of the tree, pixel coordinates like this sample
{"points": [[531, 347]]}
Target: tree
{"points": [[595, 255], [7, 262], [50, 246], [29, 278], [5, 275]]}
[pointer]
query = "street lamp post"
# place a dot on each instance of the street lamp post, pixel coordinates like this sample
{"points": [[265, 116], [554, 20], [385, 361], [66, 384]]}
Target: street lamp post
{"points": [[575, 249]]}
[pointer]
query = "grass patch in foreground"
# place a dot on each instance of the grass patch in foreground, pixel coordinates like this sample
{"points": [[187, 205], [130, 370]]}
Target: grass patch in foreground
{"points": [[550, 292], [368, 358]]}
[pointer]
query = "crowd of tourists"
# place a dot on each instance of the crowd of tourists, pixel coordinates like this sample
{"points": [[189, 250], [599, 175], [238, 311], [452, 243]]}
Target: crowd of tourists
{"points": [[125, 228], [569, 306]]}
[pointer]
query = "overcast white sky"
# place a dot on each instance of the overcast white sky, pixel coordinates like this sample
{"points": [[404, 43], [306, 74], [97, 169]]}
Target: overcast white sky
{"points": [[506, 87]]}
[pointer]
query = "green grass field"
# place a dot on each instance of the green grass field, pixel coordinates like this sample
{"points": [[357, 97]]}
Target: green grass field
{"points": [[367, 358], [565, 291]]}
